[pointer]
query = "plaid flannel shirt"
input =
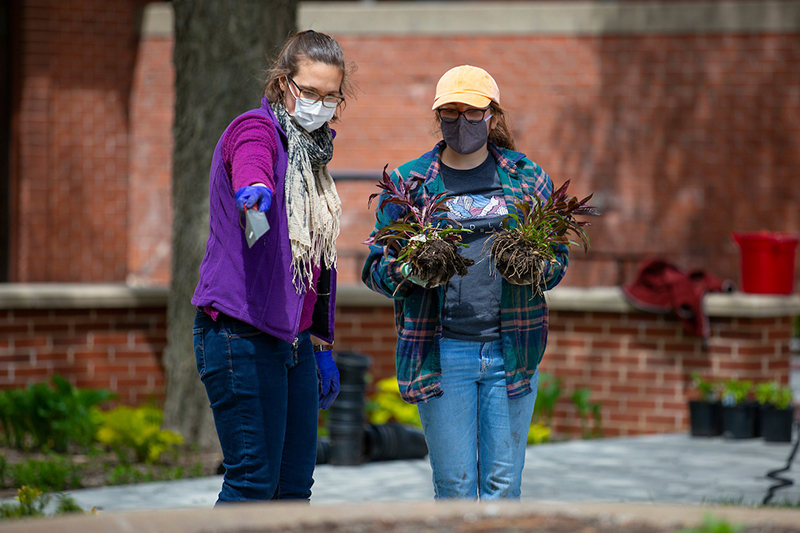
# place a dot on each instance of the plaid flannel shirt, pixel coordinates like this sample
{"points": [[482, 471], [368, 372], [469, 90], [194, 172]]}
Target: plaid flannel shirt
{"points": [[523, 314]]}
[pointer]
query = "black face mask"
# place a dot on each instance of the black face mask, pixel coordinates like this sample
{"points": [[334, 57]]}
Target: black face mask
{"points": [[463, 137]]}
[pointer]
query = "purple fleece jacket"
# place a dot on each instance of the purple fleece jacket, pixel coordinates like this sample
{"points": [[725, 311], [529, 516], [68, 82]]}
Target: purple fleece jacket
{"points": [[255, 284]]}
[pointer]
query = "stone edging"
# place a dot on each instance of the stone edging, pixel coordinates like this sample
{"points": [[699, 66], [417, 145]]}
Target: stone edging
{"points": [[594, 299]]}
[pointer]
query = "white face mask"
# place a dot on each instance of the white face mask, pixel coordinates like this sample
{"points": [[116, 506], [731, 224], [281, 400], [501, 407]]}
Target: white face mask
{"points": [[311, 116]]}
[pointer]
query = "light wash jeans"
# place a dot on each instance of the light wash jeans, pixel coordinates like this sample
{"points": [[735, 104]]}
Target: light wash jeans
{"points": [[476, 436]]}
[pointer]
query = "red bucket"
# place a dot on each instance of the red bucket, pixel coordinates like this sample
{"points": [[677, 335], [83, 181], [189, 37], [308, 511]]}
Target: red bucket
{"points": [[767, 262]]}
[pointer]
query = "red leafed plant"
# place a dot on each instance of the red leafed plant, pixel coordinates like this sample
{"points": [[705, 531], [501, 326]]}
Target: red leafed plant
{"points": [[525, 246], [424, 236]]}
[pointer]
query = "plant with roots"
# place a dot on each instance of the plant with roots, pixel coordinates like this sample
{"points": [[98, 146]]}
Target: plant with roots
{"points": [[424, 235], [524, 248]]}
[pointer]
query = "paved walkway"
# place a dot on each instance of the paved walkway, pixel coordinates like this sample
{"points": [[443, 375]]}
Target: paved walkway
{"points": [[663, 469]]}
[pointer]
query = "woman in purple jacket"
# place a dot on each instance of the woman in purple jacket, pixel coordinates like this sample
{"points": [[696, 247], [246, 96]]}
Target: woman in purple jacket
{"points": [[261, 298]]}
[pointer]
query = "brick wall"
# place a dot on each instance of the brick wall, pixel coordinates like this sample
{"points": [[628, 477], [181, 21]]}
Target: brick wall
{"points": [[152, 112], [116, 349], [683, 139], [637, 365], [683, 134], [71, 143]]}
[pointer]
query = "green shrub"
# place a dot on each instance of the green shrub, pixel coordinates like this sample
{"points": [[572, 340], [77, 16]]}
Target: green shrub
{"points": [[125, 474], [53, 474], [50, 418], [736, 392], [547, 396], [31, 503], [137, 430], [713, 525], [585, 408], [386, 405], [770, 393], [707, 390]]}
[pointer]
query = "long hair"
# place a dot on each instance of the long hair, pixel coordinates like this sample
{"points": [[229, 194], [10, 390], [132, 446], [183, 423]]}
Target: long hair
{"points": [[307, 45], [501, 134]]}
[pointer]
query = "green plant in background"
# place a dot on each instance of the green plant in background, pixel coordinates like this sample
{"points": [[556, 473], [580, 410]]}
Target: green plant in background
{"points": [[585, 407], [771, 393], [138, 430], [50, 418], [125, 474], [386, 405], [547, 396], [714, 525], [539, 433], [32, 502], [736, 392], [55, 473], [708, 390]]}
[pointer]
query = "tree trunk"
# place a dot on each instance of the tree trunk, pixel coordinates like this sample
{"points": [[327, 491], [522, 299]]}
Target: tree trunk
{"points": [[222, 50]]}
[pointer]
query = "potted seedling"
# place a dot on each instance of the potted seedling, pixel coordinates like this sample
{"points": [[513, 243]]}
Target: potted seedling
{"points": [[705, 413], [523, 249], [423, 235], [776, 413], [738, 411]]}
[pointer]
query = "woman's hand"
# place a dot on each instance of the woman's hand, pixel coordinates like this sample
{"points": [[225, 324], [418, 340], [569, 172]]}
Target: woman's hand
{"points": [[252, 195], [328, 378]]}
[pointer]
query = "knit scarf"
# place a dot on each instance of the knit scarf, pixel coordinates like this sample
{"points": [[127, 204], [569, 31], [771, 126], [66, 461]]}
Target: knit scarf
{"points": [[313, 207]]}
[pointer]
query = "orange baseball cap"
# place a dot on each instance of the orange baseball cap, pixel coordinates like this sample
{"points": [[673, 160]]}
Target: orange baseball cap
{"points": [[466, 85]]}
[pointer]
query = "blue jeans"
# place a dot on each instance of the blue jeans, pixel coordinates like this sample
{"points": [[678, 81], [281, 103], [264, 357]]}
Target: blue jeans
{"points": [[476, 436], [264, 394]]}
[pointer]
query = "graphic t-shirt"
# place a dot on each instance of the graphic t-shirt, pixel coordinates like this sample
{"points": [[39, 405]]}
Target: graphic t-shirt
{"points": [[472, 305]]}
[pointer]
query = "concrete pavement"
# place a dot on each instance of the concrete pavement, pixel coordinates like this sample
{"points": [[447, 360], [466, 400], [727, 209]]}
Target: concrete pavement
{"points": [[661, 469]]}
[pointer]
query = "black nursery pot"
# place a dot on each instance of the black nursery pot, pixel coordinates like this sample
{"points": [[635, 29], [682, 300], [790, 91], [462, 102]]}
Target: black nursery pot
{"points": [[776, 424], [705, 419], [739, 421]]}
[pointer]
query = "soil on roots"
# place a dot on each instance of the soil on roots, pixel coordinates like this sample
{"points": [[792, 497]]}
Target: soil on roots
{"points": [[517, 259], [437, 261]]}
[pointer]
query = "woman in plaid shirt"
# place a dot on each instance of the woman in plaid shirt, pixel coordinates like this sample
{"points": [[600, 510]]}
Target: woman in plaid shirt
{"points": [[468, 350]]}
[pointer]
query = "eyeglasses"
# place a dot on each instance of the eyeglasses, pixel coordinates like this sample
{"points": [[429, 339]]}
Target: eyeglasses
{"points": [[311, 97], [473, 116]]}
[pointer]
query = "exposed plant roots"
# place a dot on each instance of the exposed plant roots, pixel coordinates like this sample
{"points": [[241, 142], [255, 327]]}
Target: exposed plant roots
{"points": [[437, 261], [518, 260]]}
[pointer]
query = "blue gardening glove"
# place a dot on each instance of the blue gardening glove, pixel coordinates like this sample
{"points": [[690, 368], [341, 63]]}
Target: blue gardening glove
{"points": [[328, 378], [405, 270], [247, 197]]}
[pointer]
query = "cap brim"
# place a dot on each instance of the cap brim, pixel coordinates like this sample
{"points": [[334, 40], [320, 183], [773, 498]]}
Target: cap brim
{"points": [[475, 100]]}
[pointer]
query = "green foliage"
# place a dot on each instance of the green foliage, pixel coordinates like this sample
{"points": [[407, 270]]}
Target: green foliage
{"points": [[50, 418], [714, 525], [736, 392], [55, 473], [771, 393], [547, 396], [126, 474], [585, 408], [67, 504], [419, 224], [796, 327], [31, 503], [539, 433], [138, 430], [708, 390], [386, 405]]}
